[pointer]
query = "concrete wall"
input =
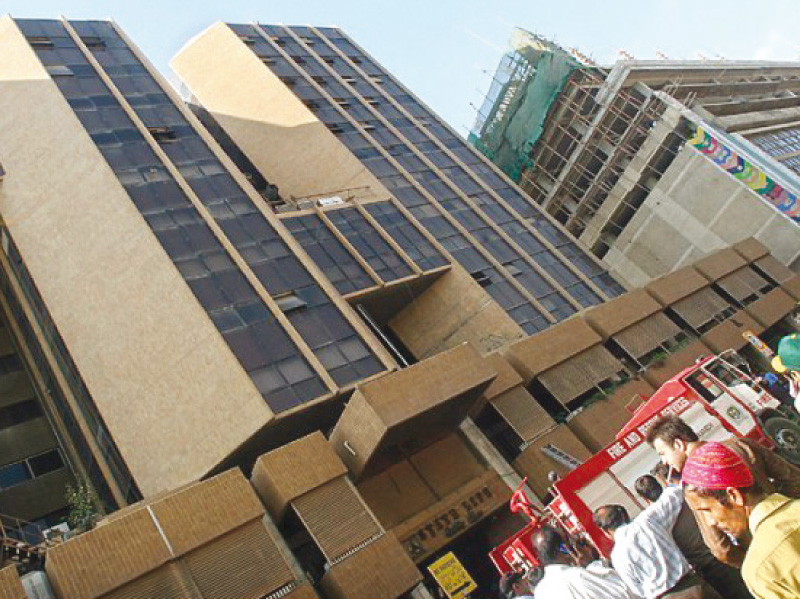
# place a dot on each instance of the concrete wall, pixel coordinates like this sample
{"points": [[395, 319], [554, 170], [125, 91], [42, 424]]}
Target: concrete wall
{"points": [[694, 209]]}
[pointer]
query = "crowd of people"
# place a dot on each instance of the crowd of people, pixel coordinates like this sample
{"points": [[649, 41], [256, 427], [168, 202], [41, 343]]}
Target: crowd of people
{"points": [[721, 520]]}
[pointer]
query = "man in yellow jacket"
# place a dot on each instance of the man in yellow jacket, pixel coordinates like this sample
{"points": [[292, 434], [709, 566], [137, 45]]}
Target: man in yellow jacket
{"points": [[720, 485]]}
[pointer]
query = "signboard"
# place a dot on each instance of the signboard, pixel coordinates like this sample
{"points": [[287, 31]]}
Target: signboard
{"points": [[427, 531], [756, 343], [451, 575]]}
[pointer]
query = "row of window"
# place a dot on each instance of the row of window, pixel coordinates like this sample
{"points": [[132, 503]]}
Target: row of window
{"points": [[458, 180], [278, 369], [320, 323]]}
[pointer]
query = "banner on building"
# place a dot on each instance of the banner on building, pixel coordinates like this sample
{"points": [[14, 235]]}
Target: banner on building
{"points": [[747, 173]]}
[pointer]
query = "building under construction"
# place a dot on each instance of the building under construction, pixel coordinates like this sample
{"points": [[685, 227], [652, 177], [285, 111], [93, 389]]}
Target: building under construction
{"points": [[300, 337], [651, 164]]}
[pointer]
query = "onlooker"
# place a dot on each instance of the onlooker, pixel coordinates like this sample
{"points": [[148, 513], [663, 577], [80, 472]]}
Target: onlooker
{"points": [[787, 362], [675, 441], [721, 485], [726, 580], [644, 553], [564, 579], [514, 585], [778, 387]]}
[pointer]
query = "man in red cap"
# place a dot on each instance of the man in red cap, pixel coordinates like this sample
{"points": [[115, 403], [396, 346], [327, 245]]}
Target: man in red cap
{"points": [[674, 441], [720, 485]]}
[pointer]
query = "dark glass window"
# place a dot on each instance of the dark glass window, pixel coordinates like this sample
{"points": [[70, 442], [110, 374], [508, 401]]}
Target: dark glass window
{"points": [[20, 412], [45, 463], [14, 474], [318, 320], [329, 254], [383, 259], [406, 235]]}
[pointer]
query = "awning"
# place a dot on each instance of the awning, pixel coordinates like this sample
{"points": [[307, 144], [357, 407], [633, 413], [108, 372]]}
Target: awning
{"points": [[743, 283], [699, 308], [646, 335], [580, 373]]}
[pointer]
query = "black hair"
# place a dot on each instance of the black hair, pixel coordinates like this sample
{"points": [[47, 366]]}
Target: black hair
{"points": [[548, 543], [721, 496], [648, 488], [670, 428], [507, 583], [611, 517]]}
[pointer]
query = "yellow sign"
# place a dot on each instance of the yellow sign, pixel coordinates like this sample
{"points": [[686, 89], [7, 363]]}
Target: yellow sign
{"points": [[452, 576]]}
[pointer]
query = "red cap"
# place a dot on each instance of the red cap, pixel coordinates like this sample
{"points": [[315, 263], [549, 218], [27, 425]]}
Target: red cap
{"points": [[714, 466]]}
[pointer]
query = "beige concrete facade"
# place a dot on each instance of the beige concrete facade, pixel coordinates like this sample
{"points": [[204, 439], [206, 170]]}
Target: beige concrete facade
{"points": [[105, 279], [279, 134]]}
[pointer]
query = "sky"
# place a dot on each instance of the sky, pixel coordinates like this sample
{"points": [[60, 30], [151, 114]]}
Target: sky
{"points": [[446, 51]]}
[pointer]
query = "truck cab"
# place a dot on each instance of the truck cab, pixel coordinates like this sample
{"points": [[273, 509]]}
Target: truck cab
{"points": [[716, 396]]}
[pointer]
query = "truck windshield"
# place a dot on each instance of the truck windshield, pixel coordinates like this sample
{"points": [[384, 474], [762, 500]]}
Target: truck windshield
{"points": [[736, 382], [701, 383]]}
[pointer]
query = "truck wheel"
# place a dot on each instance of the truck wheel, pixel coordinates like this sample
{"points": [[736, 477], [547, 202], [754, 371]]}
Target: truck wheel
{"points": [[786, 435]]}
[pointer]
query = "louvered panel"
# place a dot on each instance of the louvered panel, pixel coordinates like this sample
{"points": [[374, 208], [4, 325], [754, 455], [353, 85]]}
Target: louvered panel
{"points": [[699, 308], [245, 563], [742, 283], [525, 415], [646, 335], [735, 286], [168, 581], [753, 280], [10, 583], [336, 518], [581, 373], [775, 269]]}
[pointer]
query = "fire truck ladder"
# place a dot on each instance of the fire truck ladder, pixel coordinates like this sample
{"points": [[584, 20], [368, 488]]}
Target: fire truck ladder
{"points": [[561, 457], [22, 543]]}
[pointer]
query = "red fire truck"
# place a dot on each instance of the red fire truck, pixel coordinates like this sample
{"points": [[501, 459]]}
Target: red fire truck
{"points": [[716, 396]]}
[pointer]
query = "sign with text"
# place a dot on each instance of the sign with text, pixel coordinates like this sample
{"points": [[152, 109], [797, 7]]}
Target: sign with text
{"points": [[451, 575], [427, 531]]}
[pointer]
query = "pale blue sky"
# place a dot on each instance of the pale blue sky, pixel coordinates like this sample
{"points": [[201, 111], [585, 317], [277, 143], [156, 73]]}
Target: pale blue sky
{"points": [[444, 49]]}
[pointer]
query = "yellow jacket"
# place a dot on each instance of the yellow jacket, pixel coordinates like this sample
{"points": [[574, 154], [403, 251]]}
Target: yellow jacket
{"points": [[771, 568]]}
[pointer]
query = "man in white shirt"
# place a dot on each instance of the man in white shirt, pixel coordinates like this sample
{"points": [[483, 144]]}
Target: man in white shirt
{"points": [[564, 579], [645, 555]]}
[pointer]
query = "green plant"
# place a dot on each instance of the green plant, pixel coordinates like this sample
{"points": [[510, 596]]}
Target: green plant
{"points": [[83, 503]]}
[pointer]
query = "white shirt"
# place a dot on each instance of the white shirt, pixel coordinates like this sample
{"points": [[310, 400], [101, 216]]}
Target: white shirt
{"points": [[644, 553], [565, 581]]}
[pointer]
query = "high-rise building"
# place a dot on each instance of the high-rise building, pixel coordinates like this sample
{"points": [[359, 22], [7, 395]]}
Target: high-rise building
{"points": [[651, 164], [308, 110], [325, 287], [172, 320]]}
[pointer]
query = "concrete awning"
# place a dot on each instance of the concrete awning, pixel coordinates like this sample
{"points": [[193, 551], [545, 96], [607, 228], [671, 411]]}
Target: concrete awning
{"points": [[406, 410]]}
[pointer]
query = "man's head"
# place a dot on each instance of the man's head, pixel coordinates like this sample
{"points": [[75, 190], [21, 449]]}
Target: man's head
{"points": [[672, 438], [719, 484], [648, 488], [611, 517], [788, 359], [513, 584], [551, 546], [665, 474]]}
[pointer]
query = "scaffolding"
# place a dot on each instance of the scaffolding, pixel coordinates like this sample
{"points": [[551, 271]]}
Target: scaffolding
{"points": [[525, 85], [585, 150], [568, 134]]}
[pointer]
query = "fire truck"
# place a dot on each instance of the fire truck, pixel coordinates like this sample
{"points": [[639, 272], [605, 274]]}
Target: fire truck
{"points": [[717, 397]]}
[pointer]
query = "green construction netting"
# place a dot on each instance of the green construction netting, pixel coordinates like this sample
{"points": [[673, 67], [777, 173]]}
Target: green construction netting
{"points": [[512, 117]]}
